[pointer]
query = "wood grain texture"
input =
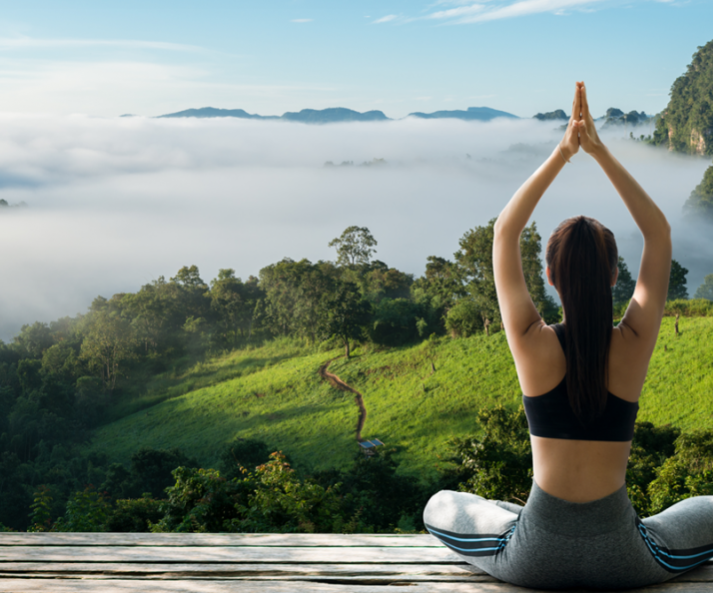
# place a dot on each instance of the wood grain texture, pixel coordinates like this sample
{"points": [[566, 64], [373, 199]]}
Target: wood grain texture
{"points": [[243, 570], [219, 554], [293, 540], [230, 586], [260, 563]]}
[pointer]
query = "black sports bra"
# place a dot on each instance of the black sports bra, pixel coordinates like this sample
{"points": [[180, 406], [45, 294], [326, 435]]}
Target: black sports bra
{"points": [[551, 416]]}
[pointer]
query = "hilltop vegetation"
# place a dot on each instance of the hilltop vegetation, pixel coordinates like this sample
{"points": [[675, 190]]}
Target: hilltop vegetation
{"points": [[700, 203], [686, 125], [174, 373]]}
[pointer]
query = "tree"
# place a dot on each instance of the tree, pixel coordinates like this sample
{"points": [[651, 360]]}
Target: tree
{"points": [[296, 295], [623, 290], [677, 282], [475, 259], [108, 343], [686, 123], [155, 313], [441, 284], [33, 339], [395, 322], [498, 465], [233, 303], [348, 314], [705, 290], [354, 246], [531, 252], [700, 202], [463, 319], [193, 296]]}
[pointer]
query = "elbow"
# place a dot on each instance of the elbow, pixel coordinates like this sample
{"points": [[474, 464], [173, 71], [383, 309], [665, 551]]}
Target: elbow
{"points": [[501, 229]]}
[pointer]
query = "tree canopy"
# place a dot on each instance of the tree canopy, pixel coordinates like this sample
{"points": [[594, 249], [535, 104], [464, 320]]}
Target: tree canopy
{"points": [[686, 125], [354, 246], [705, 290], [623, 290], [677, 282], [699, 204]]}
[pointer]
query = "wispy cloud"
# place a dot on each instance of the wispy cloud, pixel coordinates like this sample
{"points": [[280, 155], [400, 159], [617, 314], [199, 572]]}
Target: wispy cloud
{"points": [[460, 12], [474, 12], [302, 20], [386, 19], [35, 43]]}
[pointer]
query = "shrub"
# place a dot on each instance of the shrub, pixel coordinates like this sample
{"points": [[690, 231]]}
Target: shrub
{"points": [[689, 308], [135, 515], [201, 501], [464, 319], [87, 511]]}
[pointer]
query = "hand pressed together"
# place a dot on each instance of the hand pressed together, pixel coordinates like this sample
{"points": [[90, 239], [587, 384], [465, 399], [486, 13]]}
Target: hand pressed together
{"points": [[580, 129]]}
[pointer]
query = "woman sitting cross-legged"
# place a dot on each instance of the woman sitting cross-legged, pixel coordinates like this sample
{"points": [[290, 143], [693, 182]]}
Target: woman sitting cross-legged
{"points": [[582, 379]]}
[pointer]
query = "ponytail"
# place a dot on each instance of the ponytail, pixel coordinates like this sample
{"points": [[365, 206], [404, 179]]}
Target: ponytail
{"points": [[582, 257]]}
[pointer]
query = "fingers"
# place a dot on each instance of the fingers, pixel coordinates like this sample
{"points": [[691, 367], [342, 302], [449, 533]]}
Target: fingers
{"points": [[577, 109], [576, 104], [575, 100], [583, 98]]}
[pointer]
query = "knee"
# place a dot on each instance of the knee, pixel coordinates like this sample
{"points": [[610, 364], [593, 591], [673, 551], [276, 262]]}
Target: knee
{"points": [[433, 511]]}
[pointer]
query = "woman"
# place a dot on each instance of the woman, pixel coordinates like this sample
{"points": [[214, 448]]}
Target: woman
{"points": [[582, 381]]}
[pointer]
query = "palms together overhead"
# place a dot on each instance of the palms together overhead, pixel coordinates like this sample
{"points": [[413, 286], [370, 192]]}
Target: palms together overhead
{"points": [[581, 131]]}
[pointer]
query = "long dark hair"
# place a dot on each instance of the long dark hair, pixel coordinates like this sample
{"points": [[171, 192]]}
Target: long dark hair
{"points": [[582, 257]]}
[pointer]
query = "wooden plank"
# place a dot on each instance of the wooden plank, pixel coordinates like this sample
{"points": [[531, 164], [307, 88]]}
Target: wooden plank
{"points": [[292, 540], [226, 554], [229, 586], [243, 570], [422, 571], [92, 586]]}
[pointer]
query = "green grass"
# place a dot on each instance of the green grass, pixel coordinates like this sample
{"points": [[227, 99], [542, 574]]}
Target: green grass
{"points": [[273, 393], [679, 385]]}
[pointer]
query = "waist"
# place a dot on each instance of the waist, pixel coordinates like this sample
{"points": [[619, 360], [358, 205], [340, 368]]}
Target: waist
{"points": [[575, 519], [579, 470]]}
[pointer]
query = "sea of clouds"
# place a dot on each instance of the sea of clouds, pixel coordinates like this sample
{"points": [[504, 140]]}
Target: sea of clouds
{"points": [[114, 203]]}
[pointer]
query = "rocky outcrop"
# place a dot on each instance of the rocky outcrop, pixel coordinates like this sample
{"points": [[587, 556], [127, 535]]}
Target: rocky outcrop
{"points": [[686, 125]]}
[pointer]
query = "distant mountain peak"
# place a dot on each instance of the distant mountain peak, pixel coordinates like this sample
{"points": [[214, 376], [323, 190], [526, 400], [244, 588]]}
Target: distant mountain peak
{"points": [[310, 116], [472, 113], [557, 114]]}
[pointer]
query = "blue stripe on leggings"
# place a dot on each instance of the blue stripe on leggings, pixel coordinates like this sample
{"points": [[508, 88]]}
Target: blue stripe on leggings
{"points": [[676, 556], [477, 541]]}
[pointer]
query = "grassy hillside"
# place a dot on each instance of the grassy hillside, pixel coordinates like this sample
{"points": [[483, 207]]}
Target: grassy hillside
{"points": [[274, 394]]}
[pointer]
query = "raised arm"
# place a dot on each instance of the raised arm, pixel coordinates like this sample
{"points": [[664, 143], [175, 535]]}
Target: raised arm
{"points": [[516, 307], [643, 316]]}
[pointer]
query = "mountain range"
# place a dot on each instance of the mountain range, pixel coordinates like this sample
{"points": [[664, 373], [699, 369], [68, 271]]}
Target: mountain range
{"points": [[341, 114]]}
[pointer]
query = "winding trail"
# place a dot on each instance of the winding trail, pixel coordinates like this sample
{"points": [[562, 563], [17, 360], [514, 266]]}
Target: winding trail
{"points": [[335, 381]]}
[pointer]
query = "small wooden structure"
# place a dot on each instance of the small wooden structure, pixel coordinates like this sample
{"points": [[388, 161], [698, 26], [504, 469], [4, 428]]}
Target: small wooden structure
{"points": [[259, 563], [369, 447]]}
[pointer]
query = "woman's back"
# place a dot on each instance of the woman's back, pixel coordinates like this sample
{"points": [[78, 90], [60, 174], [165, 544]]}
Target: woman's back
{"points": [[581, 383], [585, 470]]}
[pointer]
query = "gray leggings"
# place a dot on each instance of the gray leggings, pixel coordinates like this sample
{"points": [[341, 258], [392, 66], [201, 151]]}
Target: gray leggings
{"points": [[551, 543]]}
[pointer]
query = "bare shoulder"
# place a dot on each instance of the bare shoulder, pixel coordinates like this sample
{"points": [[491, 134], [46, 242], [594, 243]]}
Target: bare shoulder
{"points": [[539, 358], [629, 356]]}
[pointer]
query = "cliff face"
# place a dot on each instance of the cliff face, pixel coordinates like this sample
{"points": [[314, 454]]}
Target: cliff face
{"points": [[686, 124]]}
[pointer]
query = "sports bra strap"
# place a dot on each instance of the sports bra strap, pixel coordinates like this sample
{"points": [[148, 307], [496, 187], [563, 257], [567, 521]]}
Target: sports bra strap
{"points": [[559, 330]]}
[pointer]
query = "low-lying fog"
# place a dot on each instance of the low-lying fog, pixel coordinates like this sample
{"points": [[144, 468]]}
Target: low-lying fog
{"points": [[114, 203]]}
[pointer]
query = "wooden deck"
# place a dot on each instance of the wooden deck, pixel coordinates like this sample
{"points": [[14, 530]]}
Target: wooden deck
{"points": [[270, 563]]}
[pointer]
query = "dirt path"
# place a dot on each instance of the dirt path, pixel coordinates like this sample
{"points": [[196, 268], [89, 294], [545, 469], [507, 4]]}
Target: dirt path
{"points": [[335, 381]]}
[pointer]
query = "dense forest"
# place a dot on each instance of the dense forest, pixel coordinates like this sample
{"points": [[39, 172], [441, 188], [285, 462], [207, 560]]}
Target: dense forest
{"points": [[62, 380], [699, 205], [686, 125]]}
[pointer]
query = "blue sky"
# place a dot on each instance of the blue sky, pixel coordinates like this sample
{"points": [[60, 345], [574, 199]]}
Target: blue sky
{"points": [[522, 56]]}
